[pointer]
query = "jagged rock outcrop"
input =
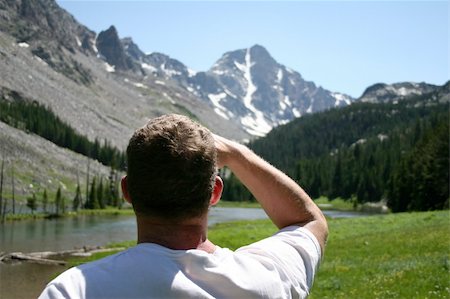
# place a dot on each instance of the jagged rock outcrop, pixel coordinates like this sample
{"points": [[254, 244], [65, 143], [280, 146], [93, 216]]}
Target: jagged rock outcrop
{"points": [[51, 33], [111, 48]]}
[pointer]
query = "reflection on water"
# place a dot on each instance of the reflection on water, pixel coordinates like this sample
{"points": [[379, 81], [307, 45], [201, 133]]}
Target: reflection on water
{"points": [[65, 233], [25, 280]]}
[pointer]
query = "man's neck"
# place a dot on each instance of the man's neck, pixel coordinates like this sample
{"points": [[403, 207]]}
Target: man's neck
{"points": [[191, 234]]}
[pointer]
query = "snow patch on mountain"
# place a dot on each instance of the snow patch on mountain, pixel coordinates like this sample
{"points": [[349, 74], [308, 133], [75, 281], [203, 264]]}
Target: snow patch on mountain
{"points": [[170, 72], [23, 45], [280, 75], [256, 123], [110, 68], [191, 72], [381, 92], [296, 112], [341, 99], [219, 109], [140, 85], [77, 40], [285, 103], [149, 67], [219, 72]]}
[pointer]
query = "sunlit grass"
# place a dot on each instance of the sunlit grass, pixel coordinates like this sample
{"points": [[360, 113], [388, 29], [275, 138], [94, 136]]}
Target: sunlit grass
{"points": [[238, 204], [395, 256], [337, 204], [237, 234], [100, 212]]}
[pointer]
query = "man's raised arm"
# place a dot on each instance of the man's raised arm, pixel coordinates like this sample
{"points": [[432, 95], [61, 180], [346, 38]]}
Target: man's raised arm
{"points": [[284, 201]]}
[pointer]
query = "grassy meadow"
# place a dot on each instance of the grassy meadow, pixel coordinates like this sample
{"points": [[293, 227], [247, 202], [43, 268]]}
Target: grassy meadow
{"points": [[403, 255], [394, 256]]}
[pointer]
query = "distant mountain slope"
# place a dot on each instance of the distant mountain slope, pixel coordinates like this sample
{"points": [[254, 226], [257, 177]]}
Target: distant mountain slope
{"points": [[323, 133], [50, 58], [382, 93]]}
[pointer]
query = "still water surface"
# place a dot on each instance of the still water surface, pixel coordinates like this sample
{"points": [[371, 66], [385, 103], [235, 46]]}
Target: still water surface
{"points": [[94, 230], [90, 230]]}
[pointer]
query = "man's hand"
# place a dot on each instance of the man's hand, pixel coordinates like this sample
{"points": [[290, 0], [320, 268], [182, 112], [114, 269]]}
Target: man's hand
{"points": [[224, 149]]}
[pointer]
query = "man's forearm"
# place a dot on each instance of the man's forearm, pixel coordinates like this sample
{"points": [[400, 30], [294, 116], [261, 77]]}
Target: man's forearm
{"points": [[284, 201]]}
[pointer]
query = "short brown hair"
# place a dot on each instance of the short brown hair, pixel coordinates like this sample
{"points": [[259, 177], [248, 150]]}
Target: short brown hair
{"points": [[171, 168]]}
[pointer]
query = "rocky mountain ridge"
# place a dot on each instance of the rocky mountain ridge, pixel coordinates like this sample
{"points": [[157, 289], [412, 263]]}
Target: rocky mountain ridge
{"points": [[382, 93], [44, 56], [245, 86]]}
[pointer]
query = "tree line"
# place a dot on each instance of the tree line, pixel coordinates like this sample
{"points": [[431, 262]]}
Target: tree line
{"points": [[40, 120], [99, 193], [397, 152]]}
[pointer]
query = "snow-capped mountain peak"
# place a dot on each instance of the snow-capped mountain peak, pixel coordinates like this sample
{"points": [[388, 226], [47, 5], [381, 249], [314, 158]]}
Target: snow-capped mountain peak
{"points": [[246, 86], [261, 93]]}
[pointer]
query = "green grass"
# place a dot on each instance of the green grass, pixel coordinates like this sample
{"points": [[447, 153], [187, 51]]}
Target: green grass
{"points": [[238, 204], [403, 255], [237, 234], [337, 204], [72, 262], [394, 256], [106, 211], [17, 217]]}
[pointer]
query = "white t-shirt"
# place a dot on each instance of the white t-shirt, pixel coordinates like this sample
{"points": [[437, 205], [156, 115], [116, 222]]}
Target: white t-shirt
{"points": [[281, 266]]}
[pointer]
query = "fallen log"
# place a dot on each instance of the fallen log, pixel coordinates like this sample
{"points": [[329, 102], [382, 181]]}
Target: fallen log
{"points": [[43, 257], [23, 257]]}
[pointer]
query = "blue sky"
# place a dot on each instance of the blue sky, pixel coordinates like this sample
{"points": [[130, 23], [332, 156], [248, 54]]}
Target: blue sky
{"points": [[343, 46]]}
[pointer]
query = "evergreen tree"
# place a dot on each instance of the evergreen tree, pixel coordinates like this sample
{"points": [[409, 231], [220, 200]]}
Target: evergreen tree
{"points": [[44, 201], [421, 182], [58, 201], [87, 182], [2, 211], [92, 202], [77, 199], [13, 193], [337, 183], [100, 195], [32, 203], [63, 204]]}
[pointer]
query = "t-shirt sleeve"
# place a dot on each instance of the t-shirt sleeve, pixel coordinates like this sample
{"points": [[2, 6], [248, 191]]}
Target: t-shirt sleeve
{"points": [[67, 285], [294, 252], [52, 292]]}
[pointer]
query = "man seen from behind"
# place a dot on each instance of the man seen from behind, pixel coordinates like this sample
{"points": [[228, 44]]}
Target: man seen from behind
{"points": [[172, 182]]}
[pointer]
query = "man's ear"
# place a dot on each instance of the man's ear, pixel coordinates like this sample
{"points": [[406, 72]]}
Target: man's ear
{"points": [[124, 184], [217, 191]]}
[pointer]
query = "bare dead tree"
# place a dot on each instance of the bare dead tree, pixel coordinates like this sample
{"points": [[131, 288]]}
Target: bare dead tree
{"points": [[87, 181], [2, 211], [13, 197]]}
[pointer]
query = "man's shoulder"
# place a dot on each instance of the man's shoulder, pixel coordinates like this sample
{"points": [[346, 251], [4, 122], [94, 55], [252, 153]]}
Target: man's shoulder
{"points": [[81, 270], [294, 236], [294, 251]]}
